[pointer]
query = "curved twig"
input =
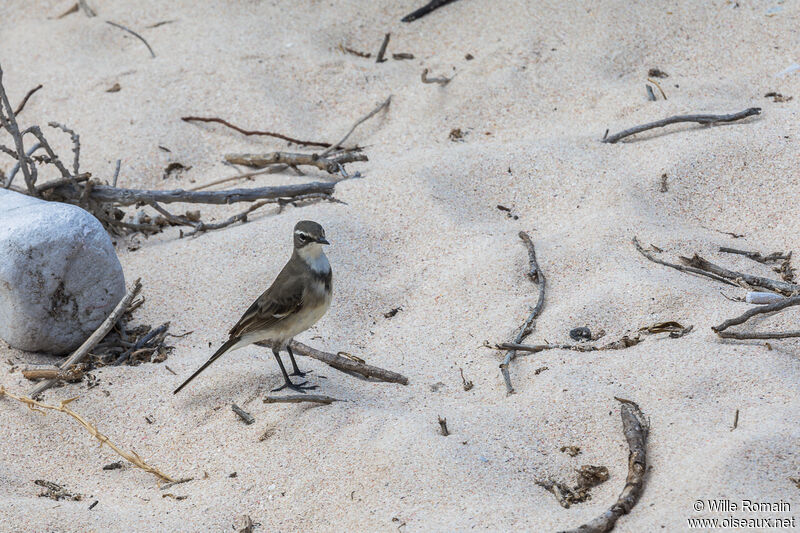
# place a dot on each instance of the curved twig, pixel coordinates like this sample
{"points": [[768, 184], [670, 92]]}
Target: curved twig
{"points": [[635, 428], [123, 28], [700, 119], [750, 313], [357, 123], [680, 267], [132, 457], [536, 276], [255, 132]]}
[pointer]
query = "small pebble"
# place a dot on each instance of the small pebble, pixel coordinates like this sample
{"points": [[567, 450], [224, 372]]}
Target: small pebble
{"points": [[580, 334]]}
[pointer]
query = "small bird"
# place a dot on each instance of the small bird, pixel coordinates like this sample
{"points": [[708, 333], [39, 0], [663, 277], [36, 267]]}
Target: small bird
{"points": [[295, 301]]}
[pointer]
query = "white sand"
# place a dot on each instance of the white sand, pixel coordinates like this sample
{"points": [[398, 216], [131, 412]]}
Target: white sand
{"points": [[422, 231]]}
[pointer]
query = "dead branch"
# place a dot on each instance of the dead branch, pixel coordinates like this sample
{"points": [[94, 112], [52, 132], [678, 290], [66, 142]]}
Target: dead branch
{"points": [[700, 119], [244, 415], [95, 337], [441, 80], [255, 132], [781, 287], [57, 374], [750, 313], [299, 398], [331, 165], [756, 256], [123, 28], [9, 121], [132, 457], [424, 10], [340, 144], [348, 365], [76, 146], [103, 193], [635, 428], [241, 176], [25, 99], [382, 50], [537, 277], [682, 268]]}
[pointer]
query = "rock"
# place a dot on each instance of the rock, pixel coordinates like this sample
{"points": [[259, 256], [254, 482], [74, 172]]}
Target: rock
{"points": [[581, 334], [59, 274]]}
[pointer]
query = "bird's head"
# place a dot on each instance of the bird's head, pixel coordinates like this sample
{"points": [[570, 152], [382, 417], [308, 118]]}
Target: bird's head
{"points": [[308, 233]]}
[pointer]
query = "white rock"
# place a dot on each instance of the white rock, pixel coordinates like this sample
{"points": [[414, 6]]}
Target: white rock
{"points": [[59, 274], [762, 298]]}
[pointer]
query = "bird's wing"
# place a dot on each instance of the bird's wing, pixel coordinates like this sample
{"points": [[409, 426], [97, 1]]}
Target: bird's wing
{"points": [[272, 306]]}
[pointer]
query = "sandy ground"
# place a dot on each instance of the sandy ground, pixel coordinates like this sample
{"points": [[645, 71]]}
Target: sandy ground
{"points": [[422, 231]]}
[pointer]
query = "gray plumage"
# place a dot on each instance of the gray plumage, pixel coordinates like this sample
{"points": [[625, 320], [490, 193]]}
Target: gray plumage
{"points": [[296, 300]]}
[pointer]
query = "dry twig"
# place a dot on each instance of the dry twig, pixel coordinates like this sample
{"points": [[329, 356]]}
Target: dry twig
{"points": [[348, 365], [132, 457], [441, 80], [781, 287], [123, 28], [750, 313], [299, 398], [340, 144], [635, 428], [382, 50], [255, 132], [700, 119], [27, 96], [244, 415], [424, 10], [682, 268], [536, 276], [331, 165], [56, 374]]}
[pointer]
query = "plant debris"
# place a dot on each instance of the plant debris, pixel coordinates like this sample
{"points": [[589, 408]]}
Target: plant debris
{"points": [[657, 73], [456, 135], [443, 426], [674, 329], [466, 384], [175, 169], [589, 476], [572, 451], [392, 312], [54, 491], [777, 97]]}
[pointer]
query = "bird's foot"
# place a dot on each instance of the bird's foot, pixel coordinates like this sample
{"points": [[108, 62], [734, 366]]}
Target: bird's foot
{"points": [[298, 372], [300, 387]]}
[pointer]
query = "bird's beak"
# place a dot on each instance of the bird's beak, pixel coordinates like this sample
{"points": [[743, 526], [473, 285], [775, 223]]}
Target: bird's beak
{"points": [[323, 240]]}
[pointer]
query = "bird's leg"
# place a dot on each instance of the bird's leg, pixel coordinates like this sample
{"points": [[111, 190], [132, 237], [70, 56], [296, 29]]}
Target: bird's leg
{"points": [[294, 364], [300, 387]]}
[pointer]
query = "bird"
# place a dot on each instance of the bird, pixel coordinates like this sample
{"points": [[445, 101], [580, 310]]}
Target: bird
{"points": [[296, 300]]}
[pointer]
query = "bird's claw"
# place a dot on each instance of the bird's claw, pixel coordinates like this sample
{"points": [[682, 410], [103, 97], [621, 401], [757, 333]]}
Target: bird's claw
{"points": [[299, 387]]}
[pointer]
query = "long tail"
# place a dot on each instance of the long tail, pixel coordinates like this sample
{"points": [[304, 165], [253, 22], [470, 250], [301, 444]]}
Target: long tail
{"points": [[222, 349]]}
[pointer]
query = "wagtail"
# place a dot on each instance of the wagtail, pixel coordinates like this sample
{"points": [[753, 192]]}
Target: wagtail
{"points": [[295, 301]]}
